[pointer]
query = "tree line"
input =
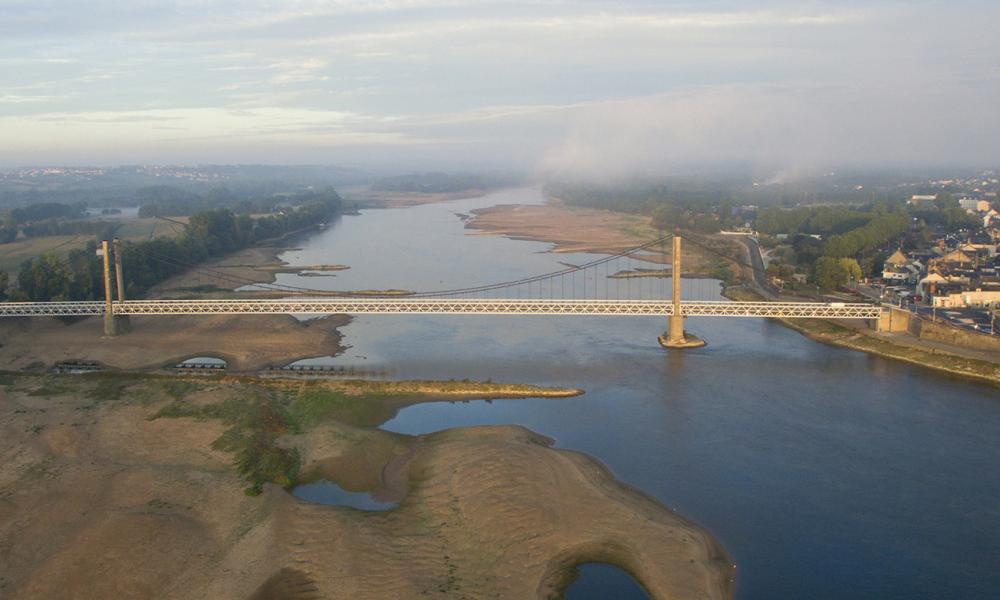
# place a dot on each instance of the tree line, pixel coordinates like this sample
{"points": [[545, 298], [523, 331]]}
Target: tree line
{"points": [[696, 205], [209, 234]]}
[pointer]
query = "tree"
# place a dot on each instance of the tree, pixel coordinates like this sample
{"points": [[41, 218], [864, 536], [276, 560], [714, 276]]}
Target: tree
{"points": [[830, 273], [4, 284], [851, 267], [45, 278]]}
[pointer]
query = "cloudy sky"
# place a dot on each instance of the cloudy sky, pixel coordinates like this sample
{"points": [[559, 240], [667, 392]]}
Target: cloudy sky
{"points": [[586, 86]]}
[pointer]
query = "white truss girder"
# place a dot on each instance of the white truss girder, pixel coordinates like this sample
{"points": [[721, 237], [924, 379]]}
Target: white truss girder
{"points": [[50, 309], [447, 306]]}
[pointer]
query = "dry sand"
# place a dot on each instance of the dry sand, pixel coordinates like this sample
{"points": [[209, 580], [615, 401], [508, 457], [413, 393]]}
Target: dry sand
{"points": [[156, 341], [569, 229], [572, 229], [99, 501]]}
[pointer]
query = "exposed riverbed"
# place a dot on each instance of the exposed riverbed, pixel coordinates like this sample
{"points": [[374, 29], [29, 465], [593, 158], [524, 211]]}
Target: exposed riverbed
{"points": [[825, 472]]}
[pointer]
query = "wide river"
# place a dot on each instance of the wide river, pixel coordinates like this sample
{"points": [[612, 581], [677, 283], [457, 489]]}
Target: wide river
{"points": [[826, 473]]}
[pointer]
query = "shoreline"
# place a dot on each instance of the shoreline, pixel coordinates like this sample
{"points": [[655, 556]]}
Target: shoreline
{"points": [[835, 334], [143, 457], [940, 362], [588, 230]]}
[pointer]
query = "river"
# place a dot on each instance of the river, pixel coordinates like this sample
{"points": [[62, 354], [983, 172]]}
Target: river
{"points": [[825, 472]]}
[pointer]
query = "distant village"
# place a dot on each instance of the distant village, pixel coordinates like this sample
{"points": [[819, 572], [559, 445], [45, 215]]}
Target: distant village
{"points": [[950, 271], [957, 273]]}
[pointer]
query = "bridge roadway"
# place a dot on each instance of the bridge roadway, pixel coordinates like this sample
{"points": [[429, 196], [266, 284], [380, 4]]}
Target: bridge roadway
{"points": [[446, 306]]}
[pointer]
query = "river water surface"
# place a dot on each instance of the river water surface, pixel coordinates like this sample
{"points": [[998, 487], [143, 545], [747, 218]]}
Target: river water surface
{"points": [[825, 472]]}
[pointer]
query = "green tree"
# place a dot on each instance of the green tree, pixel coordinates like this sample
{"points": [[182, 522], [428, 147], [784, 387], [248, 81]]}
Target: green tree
{"points": [[829, 273], [45, 278], [851, 267], [4, 284]]}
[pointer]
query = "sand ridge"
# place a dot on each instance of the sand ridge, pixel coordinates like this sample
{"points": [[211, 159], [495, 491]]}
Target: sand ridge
{"points": [[98, 499]]}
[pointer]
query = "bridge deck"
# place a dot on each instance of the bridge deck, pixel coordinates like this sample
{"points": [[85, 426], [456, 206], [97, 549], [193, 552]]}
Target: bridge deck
{"points": [[446, 306]]}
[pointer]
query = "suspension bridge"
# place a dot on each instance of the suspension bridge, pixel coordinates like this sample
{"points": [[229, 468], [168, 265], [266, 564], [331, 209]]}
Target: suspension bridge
{"points": [[574, 290]]}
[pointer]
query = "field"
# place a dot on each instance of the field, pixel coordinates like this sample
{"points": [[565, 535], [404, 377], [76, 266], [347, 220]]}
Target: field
{"points": [[15, 253]]}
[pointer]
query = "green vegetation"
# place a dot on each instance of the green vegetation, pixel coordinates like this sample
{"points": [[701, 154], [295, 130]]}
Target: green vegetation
{"points": [[312, 406], [261, 413], [832, 273], [695, 205], [208, 234], [46, 218], [257, 417], [862, 234], [256, 422]]}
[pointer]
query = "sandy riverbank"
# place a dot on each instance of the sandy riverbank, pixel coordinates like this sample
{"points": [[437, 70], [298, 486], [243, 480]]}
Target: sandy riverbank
{"points": [[100, 498], [220, 276], [247, 344], [572, 229]]}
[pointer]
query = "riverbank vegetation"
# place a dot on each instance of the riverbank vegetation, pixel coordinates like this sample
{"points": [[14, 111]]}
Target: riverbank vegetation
{"points": [[103, 463], [825, 231], [262, 411], [207, 235]]}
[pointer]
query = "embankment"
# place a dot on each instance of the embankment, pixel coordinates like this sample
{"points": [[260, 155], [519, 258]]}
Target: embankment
{"points": [[867, 340]]}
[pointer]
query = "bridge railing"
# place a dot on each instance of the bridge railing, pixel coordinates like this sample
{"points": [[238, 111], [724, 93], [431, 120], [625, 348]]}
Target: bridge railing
{"points": [[838, 310]]}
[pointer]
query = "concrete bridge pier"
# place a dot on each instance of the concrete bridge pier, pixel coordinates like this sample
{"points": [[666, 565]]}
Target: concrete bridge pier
{"points": [[674, 336]]}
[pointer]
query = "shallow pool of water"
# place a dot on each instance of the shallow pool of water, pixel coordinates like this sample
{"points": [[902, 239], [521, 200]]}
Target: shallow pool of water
{"points": [[328, 492]]}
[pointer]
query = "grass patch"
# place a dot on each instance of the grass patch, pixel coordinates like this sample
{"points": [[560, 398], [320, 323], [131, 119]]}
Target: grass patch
{"points": [[107, 389], [259, 414], [179, 389], [49, 388], [256, 422], [313, 406]]}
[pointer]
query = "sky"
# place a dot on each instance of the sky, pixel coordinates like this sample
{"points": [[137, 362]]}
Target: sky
{"points": [[587, 87]]}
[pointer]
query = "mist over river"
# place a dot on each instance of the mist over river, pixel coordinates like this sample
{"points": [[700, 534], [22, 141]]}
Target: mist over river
{"points": [[825, 472]]}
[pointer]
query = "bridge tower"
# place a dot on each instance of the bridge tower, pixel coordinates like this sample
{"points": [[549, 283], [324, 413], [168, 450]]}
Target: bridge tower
{"points": [[110, 325], [121, 321], [674, 336]]}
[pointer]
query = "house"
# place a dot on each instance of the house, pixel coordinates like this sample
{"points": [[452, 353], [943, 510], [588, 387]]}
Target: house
{"points": [[928, 286], [900, 269], [967, 299], [990, 217], [936, 284], [952, 261], [974, 205]]}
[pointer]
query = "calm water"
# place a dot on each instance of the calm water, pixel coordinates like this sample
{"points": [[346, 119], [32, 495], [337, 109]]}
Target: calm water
{"points": [[599, 581], [328, 492], [826, 473]]}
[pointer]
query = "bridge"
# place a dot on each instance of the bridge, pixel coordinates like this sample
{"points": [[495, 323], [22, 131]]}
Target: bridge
{"points": [[478, 300], [446, 306]]}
